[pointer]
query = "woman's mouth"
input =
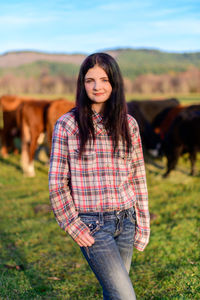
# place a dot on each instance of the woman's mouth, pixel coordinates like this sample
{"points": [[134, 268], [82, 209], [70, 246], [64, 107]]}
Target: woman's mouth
{"points": [[98, 94]]}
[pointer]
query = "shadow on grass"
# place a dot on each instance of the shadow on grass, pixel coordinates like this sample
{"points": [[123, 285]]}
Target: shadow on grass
{"points": [[10, 273], [43, 168], [7, 161], [161, 166]]}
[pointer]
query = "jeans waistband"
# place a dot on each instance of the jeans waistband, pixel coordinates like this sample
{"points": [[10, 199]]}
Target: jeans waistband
{"points": [[107, 213]]}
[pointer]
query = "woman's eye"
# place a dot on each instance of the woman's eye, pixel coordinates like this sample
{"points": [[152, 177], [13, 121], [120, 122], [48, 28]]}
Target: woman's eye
{"points": [[88, 80]]}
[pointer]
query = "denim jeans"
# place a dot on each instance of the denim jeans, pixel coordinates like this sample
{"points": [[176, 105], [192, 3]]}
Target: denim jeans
{"points": [[110, 256]]}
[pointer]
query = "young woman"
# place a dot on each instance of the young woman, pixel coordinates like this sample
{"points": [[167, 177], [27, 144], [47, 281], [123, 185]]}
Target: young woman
{"points": [[97, 177]]}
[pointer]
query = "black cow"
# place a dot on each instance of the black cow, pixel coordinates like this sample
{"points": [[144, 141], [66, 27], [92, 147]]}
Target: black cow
{"points": [[150, 139], [151, 108], [183, 137]]}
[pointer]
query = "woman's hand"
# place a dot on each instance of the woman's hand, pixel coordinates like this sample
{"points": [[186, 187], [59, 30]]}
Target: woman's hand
{"points": [[85, 240]]}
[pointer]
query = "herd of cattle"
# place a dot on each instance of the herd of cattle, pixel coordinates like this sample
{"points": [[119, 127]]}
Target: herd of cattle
{"points": [[167, 128]]}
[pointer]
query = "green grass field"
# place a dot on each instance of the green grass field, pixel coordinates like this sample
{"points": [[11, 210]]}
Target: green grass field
{"points": [[183, 98], [39, 261]]}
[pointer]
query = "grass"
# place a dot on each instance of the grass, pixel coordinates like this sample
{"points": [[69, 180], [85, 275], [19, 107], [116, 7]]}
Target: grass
{"points": [[39, 261], [183, 98]]}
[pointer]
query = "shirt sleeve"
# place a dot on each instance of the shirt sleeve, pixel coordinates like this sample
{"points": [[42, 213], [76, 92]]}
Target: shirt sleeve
{"points": [[141, 204], [59, 189]]}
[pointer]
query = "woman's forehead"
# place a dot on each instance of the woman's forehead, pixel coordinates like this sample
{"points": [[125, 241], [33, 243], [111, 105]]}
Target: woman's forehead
{"points": [[96, 71]]}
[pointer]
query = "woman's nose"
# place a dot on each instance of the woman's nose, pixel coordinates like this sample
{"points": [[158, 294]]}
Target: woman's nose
{"points": [[97, 85]]}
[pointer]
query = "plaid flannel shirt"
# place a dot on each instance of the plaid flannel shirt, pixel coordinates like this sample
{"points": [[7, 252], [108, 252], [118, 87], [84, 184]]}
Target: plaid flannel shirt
{"points": [[99, 180]]}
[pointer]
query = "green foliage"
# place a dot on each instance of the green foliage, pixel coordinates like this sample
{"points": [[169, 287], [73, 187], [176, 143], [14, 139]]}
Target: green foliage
{"points": [[39, 68], [137, 62], [132, 63], [50, 264]]}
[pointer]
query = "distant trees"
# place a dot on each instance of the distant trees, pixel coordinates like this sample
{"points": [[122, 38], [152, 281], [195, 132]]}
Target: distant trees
{"points": [[44, 84], [182, 82]]}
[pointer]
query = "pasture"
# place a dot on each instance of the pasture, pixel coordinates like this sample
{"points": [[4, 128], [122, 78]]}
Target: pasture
{"points": [[39, 261]]}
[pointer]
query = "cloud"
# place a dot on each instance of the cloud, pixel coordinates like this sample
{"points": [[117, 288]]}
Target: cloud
{"points": [[176, 27], [20, 21]]}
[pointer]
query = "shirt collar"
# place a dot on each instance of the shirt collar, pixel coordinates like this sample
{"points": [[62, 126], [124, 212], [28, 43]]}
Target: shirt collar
{"points": [[97, 117]]}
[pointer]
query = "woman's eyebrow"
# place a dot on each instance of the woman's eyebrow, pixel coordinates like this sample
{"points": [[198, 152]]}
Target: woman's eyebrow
{"points": [[103, 77]]}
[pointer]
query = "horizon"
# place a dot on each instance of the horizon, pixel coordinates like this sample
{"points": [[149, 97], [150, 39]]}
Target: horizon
{"points": [[101, 50]]}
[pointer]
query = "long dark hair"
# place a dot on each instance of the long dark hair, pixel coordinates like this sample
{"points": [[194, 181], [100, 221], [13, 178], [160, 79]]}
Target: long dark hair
{"points": [[115, 110]]}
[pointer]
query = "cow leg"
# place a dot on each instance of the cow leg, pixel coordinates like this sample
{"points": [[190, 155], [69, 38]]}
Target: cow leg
{"points": [[49, 136], [193, 160], [36, 136], [172, 160], [32, 149], [24, 156], [4, 147], [27, 166], [4, 151]]}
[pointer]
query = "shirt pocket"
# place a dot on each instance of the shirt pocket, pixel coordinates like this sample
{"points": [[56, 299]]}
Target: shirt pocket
{"points": [[87, 158], [123, 161]]}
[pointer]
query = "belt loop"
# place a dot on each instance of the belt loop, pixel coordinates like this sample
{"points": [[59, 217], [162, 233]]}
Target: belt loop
{"points": [[117, 213], [101, 221]]}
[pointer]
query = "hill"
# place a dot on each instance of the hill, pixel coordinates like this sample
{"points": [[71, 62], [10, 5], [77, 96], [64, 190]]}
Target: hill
{"points": [[137, 62], [132, 62], [144, 70]]}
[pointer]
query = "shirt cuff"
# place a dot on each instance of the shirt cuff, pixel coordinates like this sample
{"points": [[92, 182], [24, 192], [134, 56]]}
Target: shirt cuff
{"points": [[76, 228], [141, 238]]}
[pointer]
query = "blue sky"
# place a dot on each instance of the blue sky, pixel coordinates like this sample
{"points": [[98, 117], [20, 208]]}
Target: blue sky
{"points": [[91, 25]]}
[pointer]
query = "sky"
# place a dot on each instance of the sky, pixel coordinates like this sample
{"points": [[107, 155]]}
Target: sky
{"points": [[87, 26]]}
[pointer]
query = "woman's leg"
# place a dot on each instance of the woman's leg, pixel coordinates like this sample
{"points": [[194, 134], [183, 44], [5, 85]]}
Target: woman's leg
{"points": [[125, 239], [109, 259]]}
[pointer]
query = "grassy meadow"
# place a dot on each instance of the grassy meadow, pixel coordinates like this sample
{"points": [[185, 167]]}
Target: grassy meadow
{"points": [[39, 261], [183, 98]]}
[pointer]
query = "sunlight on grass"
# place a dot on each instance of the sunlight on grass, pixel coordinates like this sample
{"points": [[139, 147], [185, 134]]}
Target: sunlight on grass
{"points": [[39, 261]]}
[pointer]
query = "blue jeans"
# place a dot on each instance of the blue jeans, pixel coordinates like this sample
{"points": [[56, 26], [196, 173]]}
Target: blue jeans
{"points": [[110, 256]]}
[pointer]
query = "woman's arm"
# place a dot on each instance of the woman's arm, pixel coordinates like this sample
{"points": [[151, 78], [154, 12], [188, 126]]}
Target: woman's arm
{"points": [[139, 180], [59, 191]]}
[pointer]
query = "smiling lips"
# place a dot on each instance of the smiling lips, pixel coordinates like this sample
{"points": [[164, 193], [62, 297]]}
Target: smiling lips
{"points": [[98, 94]]}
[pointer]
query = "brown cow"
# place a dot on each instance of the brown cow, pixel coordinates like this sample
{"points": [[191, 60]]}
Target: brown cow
{"points": [[33, 125], [11, 112], [55, 111]]}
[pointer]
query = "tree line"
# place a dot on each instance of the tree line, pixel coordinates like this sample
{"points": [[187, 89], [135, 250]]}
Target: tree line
{"points": [[46, 83]]}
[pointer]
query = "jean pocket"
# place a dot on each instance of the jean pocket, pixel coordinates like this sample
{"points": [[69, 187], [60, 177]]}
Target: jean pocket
{"points": [[93, 225]]}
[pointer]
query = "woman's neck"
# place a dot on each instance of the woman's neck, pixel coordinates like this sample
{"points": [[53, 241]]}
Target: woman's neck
{"points": [[98, 107]]}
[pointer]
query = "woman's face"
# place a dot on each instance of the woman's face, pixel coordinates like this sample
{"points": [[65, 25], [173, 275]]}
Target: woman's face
{"points": [[98, 87]]}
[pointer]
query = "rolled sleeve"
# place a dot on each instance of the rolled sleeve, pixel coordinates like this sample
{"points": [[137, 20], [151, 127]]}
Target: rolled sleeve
{"points": [[59, 190], [77, 228]]}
